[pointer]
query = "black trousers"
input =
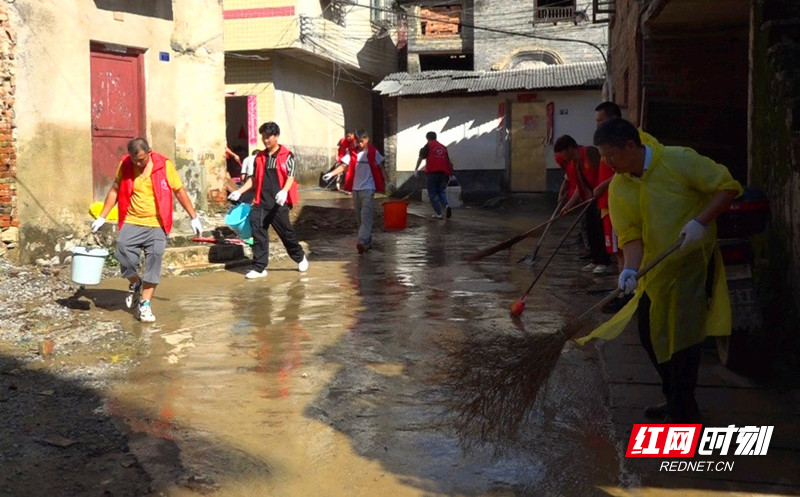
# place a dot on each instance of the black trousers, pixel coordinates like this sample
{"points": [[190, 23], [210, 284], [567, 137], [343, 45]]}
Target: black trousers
{"points": [[596, 236], [678, 374], [261, 218]]}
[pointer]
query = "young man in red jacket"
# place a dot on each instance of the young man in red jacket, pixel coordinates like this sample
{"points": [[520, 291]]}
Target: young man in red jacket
{"points": [[144, 186], [275, 187], [438, 169]]}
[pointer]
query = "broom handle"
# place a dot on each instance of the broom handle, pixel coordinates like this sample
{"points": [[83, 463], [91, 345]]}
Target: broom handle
{"points": [[553, 254], [610, 297], [511, 241], [555, 213]]}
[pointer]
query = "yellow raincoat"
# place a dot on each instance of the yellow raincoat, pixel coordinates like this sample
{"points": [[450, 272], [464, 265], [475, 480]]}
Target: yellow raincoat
{"points": [[676, 187]]}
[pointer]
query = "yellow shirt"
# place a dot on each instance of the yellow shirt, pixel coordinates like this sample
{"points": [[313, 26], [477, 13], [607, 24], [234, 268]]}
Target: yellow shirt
{"points": [[142, 210]]}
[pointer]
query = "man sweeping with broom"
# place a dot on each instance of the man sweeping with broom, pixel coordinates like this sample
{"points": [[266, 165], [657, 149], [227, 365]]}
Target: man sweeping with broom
{"points": [[659, 195]]}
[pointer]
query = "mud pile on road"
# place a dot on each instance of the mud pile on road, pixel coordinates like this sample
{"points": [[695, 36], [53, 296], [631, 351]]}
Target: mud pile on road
{"points": [[56, 359]]}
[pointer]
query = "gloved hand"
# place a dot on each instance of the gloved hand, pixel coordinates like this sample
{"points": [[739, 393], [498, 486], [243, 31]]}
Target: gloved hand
{"points": [[693, 232], [280, 197], [98, 223], [234, 196], [627, 280], [327, 177], [197, 226]]}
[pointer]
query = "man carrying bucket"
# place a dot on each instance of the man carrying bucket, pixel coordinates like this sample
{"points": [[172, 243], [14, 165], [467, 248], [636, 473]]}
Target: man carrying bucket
{"points": [[368, 176], [143, 188], [275, 187], [438, 170]]}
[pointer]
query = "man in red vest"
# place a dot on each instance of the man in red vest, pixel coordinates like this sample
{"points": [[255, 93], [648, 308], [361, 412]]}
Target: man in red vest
{"points": [[583, 173], [275, 194], [344, 154], [143, 188], [438, 169]]}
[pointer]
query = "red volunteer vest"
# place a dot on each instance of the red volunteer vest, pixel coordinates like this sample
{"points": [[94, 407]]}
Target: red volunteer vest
{"points": [[345, 146], [437, 161], [283, 173], [161, 189], [373, 166]]}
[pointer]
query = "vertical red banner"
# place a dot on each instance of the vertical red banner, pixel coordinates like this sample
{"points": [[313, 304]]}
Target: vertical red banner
{"points": [[252, 121]]}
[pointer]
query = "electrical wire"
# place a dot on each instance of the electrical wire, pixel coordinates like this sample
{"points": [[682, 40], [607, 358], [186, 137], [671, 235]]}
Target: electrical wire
{"points": [[499, 31]]}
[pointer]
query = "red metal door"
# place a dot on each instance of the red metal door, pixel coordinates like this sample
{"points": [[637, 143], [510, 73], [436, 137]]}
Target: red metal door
{"points": [[117, 113]]}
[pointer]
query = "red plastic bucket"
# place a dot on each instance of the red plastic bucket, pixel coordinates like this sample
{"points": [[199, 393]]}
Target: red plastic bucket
{"points": [[395, 214]]}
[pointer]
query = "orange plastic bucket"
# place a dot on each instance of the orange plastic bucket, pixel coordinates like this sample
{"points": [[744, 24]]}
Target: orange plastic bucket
{"points": [[395, 214]]}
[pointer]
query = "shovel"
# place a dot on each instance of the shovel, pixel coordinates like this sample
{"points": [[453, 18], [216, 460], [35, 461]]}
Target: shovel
{"points": [[532, 259]]}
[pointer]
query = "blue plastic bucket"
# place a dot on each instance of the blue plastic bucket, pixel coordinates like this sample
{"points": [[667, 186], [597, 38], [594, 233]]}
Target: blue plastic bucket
{"points": [[87, 264], [238, 218]]}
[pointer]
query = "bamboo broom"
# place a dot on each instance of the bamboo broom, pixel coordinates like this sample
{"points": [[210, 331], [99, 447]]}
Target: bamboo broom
{"points": [[494, 382]]}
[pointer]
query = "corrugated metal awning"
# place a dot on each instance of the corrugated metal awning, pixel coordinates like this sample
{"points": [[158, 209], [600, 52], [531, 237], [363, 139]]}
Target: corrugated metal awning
{"points": [[582, 74]]}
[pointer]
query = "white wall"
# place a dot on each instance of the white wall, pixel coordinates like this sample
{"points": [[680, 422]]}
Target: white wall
{"points": [[468, 126]]}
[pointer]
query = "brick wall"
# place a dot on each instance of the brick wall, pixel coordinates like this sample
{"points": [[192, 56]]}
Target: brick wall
{"points": [[495, 50], [623, 56], [8, 156]]}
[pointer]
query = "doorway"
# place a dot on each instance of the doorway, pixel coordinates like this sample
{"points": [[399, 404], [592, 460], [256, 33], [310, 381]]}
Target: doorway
{"points": [[528, 137], [117, 98]]}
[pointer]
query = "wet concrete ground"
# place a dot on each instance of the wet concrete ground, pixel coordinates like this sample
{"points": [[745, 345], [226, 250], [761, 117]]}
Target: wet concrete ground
{"points": [[331, 383], [335, 382]]}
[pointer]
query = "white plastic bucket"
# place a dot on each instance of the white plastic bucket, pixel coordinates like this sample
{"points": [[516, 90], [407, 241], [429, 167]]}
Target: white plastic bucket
{"points": [[87, 264]]}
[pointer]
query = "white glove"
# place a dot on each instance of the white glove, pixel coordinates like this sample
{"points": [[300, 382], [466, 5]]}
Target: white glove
{"points": [[327, 177], [197, 227], [280, 197], [627, 280], [693, 232], [234, 196], [98, 223]]}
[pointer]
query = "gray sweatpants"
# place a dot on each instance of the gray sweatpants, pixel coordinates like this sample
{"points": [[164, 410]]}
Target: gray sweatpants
{"points": [[362, 204], [131, 241]]}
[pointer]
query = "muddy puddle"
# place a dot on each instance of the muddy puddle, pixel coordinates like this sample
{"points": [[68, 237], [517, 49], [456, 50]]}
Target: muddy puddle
{"points": [[330, 382]]}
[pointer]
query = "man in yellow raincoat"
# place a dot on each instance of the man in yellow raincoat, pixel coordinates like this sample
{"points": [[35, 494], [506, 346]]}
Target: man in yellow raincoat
{"points": [[659, 194]]}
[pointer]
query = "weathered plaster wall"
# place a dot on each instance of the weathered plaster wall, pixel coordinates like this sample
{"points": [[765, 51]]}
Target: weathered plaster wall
{"points": [[184, 102], [313, 106], [492, 50]]}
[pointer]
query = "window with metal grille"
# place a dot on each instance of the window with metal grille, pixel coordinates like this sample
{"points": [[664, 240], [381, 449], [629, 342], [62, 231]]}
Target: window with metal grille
{"points": [[554, 10]]}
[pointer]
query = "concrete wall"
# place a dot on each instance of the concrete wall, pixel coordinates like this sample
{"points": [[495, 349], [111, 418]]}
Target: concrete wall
{"points": [[184, 102], [496, 50], [471, 129], [313, 106]]}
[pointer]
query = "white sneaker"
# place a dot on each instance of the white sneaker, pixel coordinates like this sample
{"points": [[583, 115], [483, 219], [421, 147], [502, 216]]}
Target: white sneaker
{"points": [[302, 266], [589, 267], [253, 274], [603, 269], [146, 313], [436, 216]]}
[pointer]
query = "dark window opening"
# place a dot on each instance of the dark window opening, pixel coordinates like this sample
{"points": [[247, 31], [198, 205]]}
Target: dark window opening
{"points": [[554, 10], [446, 62]]}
